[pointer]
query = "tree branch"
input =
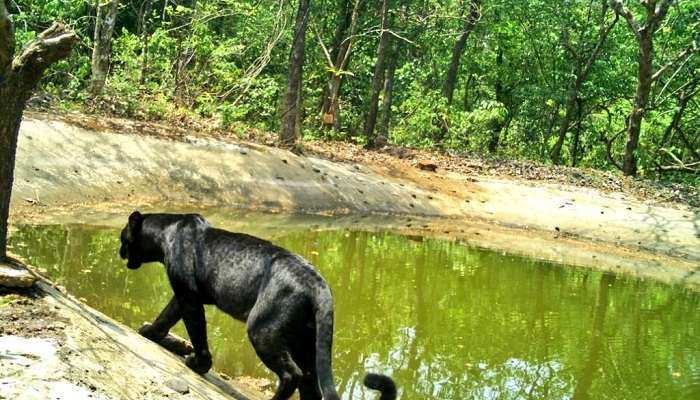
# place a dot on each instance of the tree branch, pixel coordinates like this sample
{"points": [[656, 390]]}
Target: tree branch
{"points": [[680, 165], [620, 9], [685, 53], [323, 46], [7, 41], [50, 46], [661, 10], [602, 37], [567, 45]]}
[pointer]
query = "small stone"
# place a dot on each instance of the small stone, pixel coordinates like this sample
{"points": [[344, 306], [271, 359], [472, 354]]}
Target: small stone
{"points": [[178, 385], [426, 166], [15, 276]]}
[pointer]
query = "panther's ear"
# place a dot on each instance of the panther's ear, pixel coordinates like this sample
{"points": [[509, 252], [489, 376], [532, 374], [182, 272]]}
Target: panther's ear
{"points": [[135, 220]]}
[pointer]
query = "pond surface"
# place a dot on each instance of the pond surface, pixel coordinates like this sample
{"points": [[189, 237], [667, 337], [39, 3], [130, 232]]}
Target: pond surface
{"points": [[446, 321]]}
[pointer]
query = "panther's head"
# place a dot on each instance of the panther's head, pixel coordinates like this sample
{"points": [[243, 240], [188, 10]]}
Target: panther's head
{"points": [[131, 244]]}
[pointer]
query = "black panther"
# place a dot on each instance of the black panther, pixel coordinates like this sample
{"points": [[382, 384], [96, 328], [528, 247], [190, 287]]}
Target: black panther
{"points": [[285, 303]]}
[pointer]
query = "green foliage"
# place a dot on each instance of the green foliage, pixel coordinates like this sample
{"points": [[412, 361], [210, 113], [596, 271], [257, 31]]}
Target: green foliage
{"points": [[473, 130], [422, 114], [226, 60]]}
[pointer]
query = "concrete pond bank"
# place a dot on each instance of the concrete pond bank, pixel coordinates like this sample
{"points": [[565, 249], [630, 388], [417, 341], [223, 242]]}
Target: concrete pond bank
{"points": [[66, 173], [52, 346]]}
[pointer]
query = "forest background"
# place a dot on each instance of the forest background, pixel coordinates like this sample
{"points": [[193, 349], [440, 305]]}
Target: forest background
{"points": [[606, 84]]}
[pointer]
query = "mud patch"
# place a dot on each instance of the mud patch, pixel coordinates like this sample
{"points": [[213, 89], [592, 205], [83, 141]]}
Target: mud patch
{"points": [[24, 313]]}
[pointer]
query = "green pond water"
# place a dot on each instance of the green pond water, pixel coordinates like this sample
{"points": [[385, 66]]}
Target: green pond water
{"points": [[445, 320]]}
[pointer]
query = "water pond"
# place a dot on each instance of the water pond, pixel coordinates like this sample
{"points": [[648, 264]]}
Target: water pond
{"points": [[446, 321]]}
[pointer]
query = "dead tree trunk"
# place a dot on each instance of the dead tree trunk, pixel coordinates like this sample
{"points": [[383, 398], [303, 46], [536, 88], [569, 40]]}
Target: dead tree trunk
{"points": [[102, 46], [458, 49], [378, 78], [18, 79], [292, 99]]}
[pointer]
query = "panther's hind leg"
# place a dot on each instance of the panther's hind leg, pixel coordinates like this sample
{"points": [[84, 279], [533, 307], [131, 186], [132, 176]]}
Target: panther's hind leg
{"points": [[279, 360], [304, 354], [265, 330]]}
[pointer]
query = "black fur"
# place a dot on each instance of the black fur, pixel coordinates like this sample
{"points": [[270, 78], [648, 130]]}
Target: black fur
{"points": [[382, 383], [286, 304]]}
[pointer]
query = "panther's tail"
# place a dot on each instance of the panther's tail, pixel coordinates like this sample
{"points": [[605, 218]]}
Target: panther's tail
{"points": [[382, 383], [323, 310]]}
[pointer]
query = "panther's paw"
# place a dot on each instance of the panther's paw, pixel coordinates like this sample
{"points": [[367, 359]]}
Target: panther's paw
{"points": [[146, 330], [199, 363]]}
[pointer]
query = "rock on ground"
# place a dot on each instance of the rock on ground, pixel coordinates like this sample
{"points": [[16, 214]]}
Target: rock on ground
{"points": [[15, 275]]}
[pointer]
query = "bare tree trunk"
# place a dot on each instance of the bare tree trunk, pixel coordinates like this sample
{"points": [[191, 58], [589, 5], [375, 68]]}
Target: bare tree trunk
{"points": [[645, 75], [378, 78], [388, 95], [333, 102], [342, 24], [629, 160], [577, 134], [102, 46], [555, 154], [458, 49], [292, 99], [18, 79], [500, 97], [145, 13], [330, 109], [185, 53]]}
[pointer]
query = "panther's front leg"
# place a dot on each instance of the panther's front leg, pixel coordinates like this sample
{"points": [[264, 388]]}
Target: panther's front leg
{"points": [[196, 324], [165, 321]]}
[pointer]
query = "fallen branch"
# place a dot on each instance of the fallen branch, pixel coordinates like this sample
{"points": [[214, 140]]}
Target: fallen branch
{"points": [[680, 165]]}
